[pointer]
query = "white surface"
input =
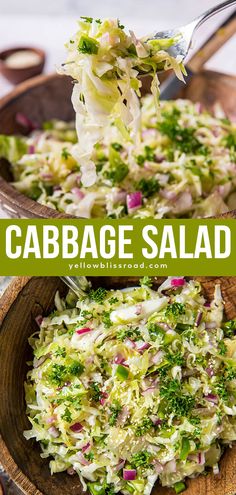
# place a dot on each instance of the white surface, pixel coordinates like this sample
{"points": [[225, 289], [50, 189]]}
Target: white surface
{"points": [[48, 24]]}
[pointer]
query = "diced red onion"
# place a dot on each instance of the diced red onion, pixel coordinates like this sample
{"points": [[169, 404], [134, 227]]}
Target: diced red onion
{"points": [[129, 343], [76, 427], [207, 305], [51, 420], [149, 132], [54, 432], [159, 158], [147, 166], [71, 471], [118, 197], [78, 193], [82, 459], [25, 122], [89, 360], [142, 346], [170, 195], [199, 318], [177, 282], [120, 465], [39, 320], [119, 359], [199, 107], [201, 458], [156, 359], [170, 467], [104, 398], [134, 200], [56, 188], [46, 176], [31, 149], [86, 447], [183, 202], [210, 372], [138, 309], [149, 391], [82, 331], [212, 398], [123, 415], [78, 179], [129, 474], [66, 384], [156, 421], [158, 467]]}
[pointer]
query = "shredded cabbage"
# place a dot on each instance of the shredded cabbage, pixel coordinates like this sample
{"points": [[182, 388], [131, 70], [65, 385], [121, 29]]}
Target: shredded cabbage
{"points": [[105, 62], [184, 166], [134, 383]]}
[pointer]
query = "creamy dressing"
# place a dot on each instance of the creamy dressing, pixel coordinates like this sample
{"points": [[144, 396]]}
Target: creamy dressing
{"points": [[22, 59]]}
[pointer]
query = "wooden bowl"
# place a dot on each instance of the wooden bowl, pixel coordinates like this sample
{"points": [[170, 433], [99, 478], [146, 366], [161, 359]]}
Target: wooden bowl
{"points": [[47, 97], [22, 302], [18, 75]]}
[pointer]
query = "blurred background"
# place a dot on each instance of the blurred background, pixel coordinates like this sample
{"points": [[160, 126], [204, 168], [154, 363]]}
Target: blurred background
{"points": [[47, 24]]}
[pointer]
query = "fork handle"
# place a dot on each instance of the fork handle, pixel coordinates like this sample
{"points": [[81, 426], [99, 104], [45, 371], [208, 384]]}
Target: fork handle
{"points": [[214, 10]]}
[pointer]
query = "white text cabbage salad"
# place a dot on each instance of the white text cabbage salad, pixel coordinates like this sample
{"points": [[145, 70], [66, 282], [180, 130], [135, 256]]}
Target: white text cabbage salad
{"points": [[184, 166], [105, 63], [133, 386]]}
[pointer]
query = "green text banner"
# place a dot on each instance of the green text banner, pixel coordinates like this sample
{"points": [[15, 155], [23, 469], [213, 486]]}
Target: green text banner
{"points": [[118, 247]]}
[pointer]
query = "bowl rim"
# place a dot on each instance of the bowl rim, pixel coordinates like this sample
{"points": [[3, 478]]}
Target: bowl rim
{"points": [[24, 204], [7, 461], [8, 51], [6, 301]]}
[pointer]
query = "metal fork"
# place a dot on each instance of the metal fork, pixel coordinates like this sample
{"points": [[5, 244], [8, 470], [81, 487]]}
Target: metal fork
{"points": [[185, 33], [79, 285]]}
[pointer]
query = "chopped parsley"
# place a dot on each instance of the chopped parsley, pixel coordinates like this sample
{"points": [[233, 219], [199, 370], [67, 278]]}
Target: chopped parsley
{"points": [[115, 409], [106, 319], [144, 427], [116, 175], [98, 295], [65, 153], [89, 456], [113, 300], [141, 459], [155, 331], [57, 374], [183, 138], [60, 352], [222, 347], [175, 359], [146, 281], [67, 415], [88, 45], [175, 309], [148, 187], [95, 392], [229, 328], [76, 368], [117, 146], [128, 333], [176, 402], [89, 20]]}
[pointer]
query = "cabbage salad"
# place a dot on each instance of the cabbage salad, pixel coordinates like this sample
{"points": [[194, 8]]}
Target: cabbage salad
{"points": [[133, 386], [184, 166], [105, 63]]}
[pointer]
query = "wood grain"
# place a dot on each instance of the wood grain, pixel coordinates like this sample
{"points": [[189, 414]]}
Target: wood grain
{"points": [[22, 302], [47, 97]]}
